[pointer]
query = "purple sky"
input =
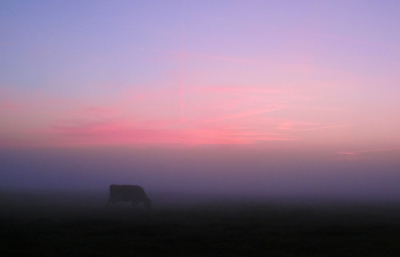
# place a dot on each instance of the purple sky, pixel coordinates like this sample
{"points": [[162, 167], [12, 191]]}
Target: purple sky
{"points": [[269, 95]]}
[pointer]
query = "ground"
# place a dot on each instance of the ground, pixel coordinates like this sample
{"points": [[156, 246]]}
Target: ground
{"points": [[80, 225]]}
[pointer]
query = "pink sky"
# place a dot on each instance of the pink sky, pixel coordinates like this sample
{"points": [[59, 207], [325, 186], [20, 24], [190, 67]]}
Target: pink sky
{"points": [[187, 74]]}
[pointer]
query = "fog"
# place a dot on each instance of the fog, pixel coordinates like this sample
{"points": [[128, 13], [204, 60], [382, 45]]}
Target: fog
{"points": [[210, 172]]}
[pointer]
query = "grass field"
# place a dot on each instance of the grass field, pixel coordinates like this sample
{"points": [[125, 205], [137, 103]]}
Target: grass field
{"points": [[79, 224]]}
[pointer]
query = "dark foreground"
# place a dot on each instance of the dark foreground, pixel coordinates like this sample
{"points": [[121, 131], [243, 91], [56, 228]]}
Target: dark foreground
{"points": [[81, 225]]}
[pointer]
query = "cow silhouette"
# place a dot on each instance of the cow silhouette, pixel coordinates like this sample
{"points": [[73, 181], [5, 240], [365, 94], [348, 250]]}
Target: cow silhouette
{"points": [[129, 193]]}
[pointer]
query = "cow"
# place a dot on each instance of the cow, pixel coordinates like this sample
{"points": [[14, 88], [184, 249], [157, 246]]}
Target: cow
{"points": [[126, 193]]}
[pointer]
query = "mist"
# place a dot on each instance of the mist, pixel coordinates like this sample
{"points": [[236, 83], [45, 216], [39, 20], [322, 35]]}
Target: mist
{"points": [[226, 173]]}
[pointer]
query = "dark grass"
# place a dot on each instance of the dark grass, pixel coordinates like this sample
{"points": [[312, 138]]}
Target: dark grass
{"points": [[80, 225]]}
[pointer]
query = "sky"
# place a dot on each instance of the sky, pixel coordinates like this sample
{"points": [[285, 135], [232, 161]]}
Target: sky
{"points": [[290, 91]]}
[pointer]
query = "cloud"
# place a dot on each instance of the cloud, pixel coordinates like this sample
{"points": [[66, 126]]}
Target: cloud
{"points": [[371, 151], [244, 114], [329, 127], [11, 106], [347, 153], [123, 134]]}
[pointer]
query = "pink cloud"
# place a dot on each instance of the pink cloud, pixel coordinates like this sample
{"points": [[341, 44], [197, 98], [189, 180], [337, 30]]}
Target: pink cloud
{"points": [[379, 150], [347, 153], [123, 134], [363, 153], [382, 150], [140, 117], [292, 125], [329, 127], [235, 89], [244, 114], [152, 114], [11, 106]]}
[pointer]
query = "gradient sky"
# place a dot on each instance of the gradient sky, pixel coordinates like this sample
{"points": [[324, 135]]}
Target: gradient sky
{"points": [[294, 76]]}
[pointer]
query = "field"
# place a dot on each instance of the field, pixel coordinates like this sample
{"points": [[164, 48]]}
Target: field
{"points": [[79, 224]]}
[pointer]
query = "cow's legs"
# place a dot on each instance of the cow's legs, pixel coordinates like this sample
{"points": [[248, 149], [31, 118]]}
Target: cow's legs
{"points": [[110, 201]]}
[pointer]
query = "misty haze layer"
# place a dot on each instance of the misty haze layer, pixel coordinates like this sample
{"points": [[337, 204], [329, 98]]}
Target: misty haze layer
{"points": [[211, 172]]}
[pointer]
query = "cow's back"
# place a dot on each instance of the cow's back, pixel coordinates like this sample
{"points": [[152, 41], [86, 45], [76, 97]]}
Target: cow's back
{"points": [[125, 193]]}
